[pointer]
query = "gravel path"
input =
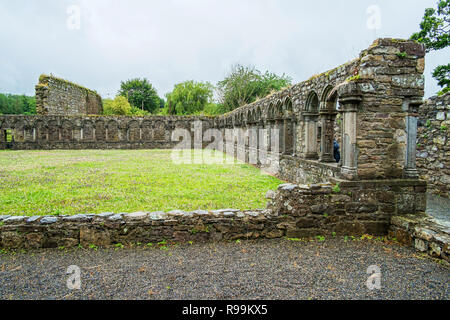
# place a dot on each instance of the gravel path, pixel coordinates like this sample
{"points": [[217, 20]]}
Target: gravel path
{"points": [[272, 269]]}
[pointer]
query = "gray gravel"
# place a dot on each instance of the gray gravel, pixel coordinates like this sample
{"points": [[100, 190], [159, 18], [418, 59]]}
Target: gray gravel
{"points": [[272, 269]]}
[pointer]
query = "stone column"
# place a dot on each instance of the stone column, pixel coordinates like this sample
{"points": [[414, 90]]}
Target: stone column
{"points": [[410, 171], [268, 132], [288, 137], [253, 144], [294, 137], [279, 125], [349, 155], [263, 142], [310, 123], [327, 138]]}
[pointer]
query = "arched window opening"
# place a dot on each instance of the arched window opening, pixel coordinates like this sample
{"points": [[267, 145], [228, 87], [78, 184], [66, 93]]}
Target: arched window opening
{"points": [[310, 115]]}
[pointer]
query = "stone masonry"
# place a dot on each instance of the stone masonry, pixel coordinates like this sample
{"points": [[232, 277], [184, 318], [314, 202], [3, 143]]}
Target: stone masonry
{"points": [[56, 96], [370, 105], [433, 149], [294, 211]]}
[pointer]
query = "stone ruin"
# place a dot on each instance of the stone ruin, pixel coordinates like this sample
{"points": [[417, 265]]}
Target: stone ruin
{"points": [[369, 105], [56, 96]]}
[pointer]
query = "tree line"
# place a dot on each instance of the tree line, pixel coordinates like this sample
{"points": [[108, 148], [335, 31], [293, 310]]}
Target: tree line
{"points": [[17, 104], [243, 85]]}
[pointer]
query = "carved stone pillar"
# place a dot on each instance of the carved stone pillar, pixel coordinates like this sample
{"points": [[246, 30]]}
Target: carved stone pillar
{"points": [[310, 123], [294, 137], [327, 118], [349, 154], [253, 144], [263, 142], [288, 137], [410, 171], [279, 125]]}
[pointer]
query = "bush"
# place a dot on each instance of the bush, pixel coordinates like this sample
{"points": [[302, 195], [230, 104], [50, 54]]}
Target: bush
{"points": [[119, 107], [141, 94], [189, 98]]}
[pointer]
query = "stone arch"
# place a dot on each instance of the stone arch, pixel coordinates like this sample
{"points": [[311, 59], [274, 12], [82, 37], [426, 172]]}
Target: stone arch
{"points": [[229, 122], [147, 130], [159, 131], [100, 130], [271, 111], [312, 102], [19, 130], [113, 131], [88, 130], [312, 126], [66, 130], [53, 130], [41, 130], [279, 109], [329, 99], [5, 127], [236, 119], [258, 114], [29, 131], [133, 131], [328, 112], [289, 127]]}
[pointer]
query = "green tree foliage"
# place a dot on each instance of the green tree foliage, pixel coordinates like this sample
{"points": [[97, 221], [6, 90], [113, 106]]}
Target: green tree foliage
{"points": [[17, 104], [244, 85], [141, 94], [189, 97], [121, 107], [118, 106], [435, 34]]}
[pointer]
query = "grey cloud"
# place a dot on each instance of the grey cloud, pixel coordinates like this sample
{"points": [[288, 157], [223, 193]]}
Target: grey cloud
{"points": [[172, 41]]}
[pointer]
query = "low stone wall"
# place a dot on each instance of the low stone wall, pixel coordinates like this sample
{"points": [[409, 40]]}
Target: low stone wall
{"points": [[433, 145], [303, 171], [56, 96], [348, 208], [94, 132], [294, 211], [421, 232]]}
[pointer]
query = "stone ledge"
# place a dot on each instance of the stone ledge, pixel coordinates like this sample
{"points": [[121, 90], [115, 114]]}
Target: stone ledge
{"points": [[108, 229], [423, 233]]}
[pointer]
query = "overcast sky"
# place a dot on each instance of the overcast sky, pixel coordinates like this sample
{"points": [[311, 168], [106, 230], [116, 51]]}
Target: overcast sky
{"points": [[170, 41]]}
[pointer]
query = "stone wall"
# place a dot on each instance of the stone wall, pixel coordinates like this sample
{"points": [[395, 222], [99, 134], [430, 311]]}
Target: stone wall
{"points": [[422, 233], [376, 95], [433, 148], [94, 132], [294, 211], [56, 96]]}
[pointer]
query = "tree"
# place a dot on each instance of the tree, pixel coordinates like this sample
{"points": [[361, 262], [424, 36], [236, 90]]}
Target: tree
{"points": [[118, 106], [189, 97], [141, 94], [17, 104], [244, 85], [435, 34]]}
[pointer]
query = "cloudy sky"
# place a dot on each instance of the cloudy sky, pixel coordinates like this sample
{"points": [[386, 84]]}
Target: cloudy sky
{"points": [[170, 41]]}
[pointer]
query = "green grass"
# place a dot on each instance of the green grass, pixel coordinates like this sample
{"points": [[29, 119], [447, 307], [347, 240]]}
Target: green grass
{"points": [[95, 181]]}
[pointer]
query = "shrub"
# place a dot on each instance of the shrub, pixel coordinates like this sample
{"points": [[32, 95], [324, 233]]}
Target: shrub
{"points": [[118, 106]]}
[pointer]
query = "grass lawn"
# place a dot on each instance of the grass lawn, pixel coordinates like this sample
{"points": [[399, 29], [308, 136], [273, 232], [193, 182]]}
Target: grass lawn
{"points": [[95, 181]]}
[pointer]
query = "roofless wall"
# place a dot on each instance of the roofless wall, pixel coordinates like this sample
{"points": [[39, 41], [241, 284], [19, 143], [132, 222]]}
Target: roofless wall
{"points": [[369, 105], [56, 96]]}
